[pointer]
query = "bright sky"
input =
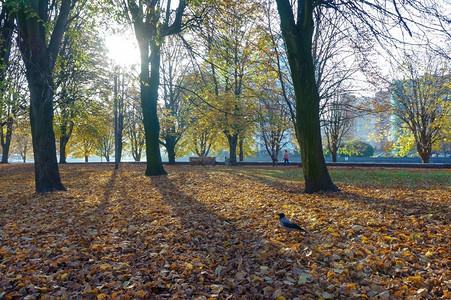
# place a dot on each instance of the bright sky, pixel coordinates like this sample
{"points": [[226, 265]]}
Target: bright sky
{"points": [[123, 48]]}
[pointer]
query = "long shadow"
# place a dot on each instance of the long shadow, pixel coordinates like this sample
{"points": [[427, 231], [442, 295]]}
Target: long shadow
{"points": [[217, 246], [292, 188], [378, 204]]}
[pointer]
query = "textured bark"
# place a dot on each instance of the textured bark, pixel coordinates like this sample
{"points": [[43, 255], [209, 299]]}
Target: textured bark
{"points": [[149, 99], [233, 142], [39, 52], [424, 152], [170, 142], [298, 40], [47, 177]]}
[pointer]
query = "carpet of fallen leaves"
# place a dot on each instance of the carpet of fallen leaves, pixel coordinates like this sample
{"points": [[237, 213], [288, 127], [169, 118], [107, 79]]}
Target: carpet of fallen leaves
{"points": [[206, 233]]}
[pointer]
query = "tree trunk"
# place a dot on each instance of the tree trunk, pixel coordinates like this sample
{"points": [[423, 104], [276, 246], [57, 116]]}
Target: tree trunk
{"points": [[334, 156], [47, 177], [149, 99], [241, 150], [86, 158], [5, 51], [424, 152], [298, 40], [39, 61], [63, 144], [233, 141], [170, 148], [6, 140]]}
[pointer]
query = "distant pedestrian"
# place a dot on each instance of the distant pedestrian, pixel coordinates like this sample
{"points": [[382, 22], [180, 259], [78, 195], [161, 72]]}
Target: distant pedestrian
{"points": [[274, 158], [286, 157]]}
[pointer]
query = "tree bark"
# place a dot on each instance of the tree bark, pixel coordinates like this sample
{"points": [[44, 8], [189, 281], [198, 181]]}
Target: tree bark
{"points": [[334, 156], [298, 40], [47, 177], [241, 150], [39, 59], [233, 141], [149, 99], [170, 148], [424, 152], [63, 143]]}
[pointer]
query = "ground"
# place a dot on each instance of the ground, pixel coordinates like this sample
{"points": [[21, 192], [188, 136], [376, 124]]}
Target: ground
{"points": [[212, 232]]}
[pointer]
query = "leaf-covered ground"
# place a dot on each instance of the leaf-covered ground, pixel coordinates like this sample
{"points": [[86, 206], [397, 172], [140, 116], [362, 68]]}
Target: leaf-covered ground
{"points": [[202, 233]]}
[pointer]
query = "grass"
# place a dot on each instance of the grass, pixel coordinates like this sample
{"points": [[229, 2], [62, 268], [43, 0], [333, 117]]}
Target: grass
{"points": [[377, 178]]}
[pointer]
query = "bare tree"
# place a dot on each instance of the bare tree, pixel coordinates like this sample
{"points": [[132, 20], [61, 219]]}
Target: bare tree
{"points": [[421, 100], [336, 122], [374, 19]]}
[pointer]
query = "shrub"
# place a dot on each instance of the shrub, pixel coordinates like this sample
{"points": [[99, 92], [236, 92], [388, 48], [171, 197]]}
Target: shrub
{"points": [[356, 148]]}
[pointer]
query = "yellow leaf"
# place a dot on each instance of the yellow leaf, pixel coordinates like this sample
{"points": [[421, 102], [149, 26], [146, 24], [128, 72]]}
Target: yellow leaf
{"points": [[101, 296]]}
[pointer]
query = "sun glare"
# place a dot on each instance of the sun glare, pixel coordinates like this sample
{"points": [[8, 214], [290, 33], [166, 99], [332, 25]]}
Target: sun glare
{"points": [[122, 49]]}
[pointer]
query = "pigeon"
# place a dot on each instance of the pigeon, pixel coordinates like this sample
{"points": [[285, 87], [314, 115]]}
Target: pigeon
{"points": [[288, 225]]}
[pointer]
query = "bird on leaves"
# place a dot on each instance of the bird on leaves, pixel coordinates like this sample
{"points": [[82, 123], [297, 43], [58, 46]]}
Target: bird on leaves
{"points": [[288, 225]]}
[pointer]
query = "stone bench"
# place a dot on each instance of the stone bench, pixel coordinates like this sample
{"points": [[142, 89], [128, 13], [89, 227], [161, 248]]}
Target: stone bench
{"points": [[202, 160]]}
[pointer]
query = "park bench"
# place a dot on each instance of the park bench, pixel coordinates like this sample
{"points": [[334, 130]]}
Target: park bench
{"points": [[202, 160]]}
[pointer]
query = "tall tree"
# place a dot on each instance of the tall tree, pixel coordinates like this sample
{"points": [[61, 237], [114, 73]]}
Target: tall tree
{"points": [[22, 137], [13, 101], [41, 28], [336, 122], [152, 22], [297, 25], [6, 119], [79, 74], [420, 100], [298, 33], [230, 32], [133, 124], [174, 69]]}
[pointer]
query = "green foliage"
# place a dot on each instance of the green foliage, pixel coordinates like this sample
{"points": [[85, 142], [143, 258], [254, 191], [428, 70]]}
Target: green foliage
{"points": [[356, 148]]}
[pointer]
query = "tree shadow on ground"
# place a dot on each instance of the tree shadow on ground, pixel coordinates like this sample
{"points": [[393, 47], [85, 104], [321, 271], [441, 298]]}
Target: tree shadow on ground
{"points": [[217, 247]]}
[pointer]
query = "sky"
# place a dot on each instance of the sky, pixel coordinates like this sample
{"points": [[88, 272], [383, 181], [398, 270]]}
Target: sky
{"points": [[123, 48]]}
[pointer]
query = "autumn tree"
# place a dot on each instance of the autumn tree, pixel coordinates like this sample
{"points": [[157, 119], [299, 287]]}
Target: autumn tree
{"points": [[297, 24], [420, 100], [80, 74], [6, 119], [133, 124], [274, 121], [152, 22], [173, 69], [230, 32], [41, 28], [22, 137], [13, 102], [336, 122]]}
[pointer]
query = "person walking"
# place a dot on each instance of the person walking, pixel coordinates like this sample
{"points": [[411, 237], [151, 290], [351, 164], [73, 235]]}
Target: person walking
{"points": [[286, 157]]}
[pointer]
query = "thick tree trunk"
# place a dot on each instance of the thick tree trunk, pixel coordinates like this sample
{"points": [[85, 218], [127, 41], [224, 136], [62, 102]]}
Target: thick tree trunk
{"points": [[170, 148], [334, 156], [425, 153], [63, 144], [47, 177], [298, 40], [39, 59], [149, 99], [233, 141]]}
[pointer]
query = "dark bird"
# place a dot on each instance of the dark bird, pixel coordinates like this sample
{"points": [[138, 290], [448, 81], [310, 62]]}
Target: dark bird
{"points": [[288, 225]]}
